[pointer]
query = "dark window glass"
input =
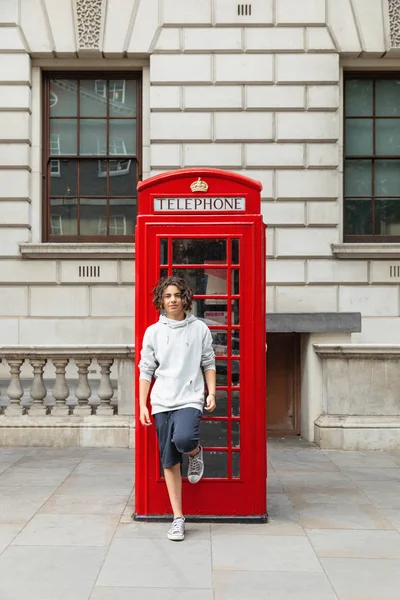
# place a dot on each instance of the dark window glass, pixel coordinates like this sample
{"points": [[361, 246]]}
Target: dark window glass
{"points": [[372, 159], [92, 150]]}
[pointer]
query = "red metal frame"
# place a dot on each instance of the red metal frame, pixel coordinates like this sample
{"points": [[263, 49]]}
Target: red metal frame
{"points": [[238, 498]]}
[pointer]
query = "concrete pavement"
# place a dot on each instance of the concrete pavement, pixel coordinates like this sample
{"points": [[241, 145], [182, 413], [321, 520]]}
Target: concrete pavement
{"points": [[65, 531]]}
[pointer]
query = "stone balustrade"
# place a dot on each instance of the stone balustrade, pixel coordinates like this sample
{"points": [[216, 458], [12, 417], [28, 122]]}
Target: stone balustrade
{"points": [[42, 386]]}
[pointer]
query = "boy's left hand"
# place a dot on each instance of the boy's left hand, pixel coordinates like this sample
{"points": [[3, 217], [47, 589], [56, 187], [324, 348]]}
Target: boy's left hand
{"points": [[210, 403]]}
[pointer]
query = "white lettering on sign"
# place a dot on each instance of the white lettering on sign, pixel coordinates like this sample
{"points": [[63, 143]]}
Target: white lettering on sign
{"points": [[200, 203]]}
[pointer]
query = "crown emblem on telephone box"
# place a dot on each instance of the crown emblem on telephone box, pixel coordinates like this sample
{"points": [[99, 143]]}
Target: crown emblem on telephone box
{"points": [[199, 186]]}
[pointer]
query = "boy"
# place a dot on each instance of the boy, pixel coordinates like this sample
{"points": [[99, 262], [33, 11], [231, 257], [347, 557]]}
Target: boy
{"points": [[176, 350]]}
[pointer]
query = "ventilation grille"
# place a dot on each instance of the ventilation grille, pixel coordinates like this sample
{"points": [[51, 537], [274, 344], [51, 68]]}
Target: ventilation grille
{"points": [[244, 10], [86, 271], [394, 271]]}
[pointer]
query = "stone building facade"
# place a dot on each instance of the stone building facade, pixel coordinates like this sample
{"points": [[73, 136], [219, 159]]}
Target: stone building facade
{"points": [[256, 88]]}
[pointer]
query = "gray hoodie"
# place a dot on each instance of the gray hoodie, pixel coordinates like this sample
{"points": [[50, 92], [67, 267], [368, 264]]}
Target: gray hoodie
{"points": [[175, 352]]}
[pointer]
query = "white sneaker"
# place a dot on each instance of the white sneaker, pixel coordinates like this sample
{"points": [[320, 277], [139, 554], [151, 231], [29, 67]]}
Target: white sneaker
{"points": [[196, 467], [176, 532]]}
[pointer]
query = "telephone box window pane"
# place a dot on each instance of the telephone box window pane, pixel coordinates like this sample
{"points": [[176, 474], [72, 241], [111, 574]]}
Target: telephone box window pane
{"points": [[216, 464], [214, 434], [63, 216], [93, 98], [63, 178], [215, 311], [198, 251], [235, 372], [93, 137], [163, 252], [235, 252], [359, 137], [358, 216], [235, 434], [221, 368], [236, 465], [235, 312], [235, 403], [63, 137], [122, 216], [235, 282], [92, 183], [222, 404], [93, 216], [163, 273], [63, 98], [122, 95], [235, 342], [205, 282], [220, 342]]}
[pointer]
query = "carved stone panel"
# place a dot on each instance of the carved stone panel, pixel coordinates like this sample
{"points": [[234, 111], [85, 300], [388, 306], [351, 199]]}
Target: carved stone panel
{"points": [[89, 17], [394, 19]]}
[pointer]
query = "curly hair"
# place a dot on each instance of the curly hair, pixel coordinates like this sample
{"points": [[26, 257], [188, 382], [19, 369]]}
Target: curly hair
{"points": [[185, 290]]}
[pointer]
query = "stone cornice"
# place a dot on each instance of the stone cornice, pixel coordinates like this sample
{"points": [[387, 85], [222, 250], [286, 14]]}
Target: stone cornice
{"points": [[361, 250], [78, 250], [360, 351]]}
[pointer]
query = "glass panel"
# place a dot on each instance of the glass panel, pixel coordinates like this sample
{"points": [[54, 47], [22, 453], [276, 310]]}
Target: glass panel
{"points": [[92, 183], [235, 281], [123, 179], [235, 434], [387, 216], [63, 178], [93, 98], [123, 213], [358, 216], [387, 178], [63, 98], [358, 178], [163, 273], [122, 95], [63, 137], [214, 312], [235, 403], [235, 372], [359, 98], [93, 137], [235, 252], [388, 136], [235, 312], [198, 252], [387, 98], [163, 252], [220, 342], [222, 404], [236, 465], [214, 433], [122, 137], [205, 281], [221, 367], [216, 464], [236, 342], [93, 216], [359, 137], [63, 216]]}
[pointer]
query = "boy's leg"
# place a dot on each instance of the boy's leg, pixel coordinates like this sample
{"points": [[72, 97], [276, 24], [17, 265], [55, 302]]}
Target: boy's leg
{"points": [[186, 439], [173, 479]]}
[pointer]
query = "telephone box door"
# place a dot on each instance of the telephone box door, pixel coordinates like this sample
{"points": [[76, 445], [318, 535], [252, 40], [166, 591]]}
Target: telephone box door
{"points": [[220, 262]]}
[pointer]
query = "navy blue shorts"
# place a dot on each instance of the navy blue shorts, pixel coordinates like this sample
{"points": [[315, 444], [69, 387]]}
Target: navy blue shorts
{"points": [[178, 433]]}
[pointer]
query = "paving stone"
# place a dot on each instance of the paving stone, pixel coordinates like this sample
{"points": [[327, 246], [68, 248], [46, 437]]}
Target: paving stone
{"points": [[345, 459], [271, 528], [355, 544], [342, 516], [372, 474], [46, 572], [115, 593], [392, 515], [68, 530], [263, 553], [326, 494], [384, 494], [7, 533], [364, 579], [248, 585], [157, 563], [199, 531], [79, 503]]}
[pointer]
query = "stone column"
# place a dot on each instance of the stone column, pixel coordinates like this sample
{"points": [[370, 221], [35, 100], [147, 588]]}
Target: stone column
{"points": [[83, 390], [105, 389], [15, 390], [60, 390], [38, 389]]}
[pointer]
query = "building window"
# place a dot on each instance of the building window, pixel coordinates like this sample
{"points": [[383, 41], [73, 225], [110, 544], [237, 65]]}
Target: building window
{"points": [[372, 158], [92, 147]]}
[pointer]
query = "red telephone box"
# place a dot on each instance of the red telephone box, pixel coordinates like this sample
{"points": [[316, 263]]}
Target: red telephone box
{"points": [[206, 226]]}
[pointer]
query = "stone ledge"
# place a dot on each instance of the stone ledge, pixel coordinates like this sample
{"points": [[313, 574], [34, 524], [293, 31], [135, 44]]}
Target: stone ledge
{"points": [[116, 351], [78, 250], [345, 432], [314, 322], [360, 351], [359, 250]]}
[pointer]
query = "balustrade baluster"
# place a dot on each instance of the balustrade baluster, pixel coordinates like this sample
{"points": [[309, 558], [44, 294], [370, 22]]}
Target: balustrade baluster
{"points": [[38, 389], [15, 391], [106, 391], [83, 390], [60, 389]]}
